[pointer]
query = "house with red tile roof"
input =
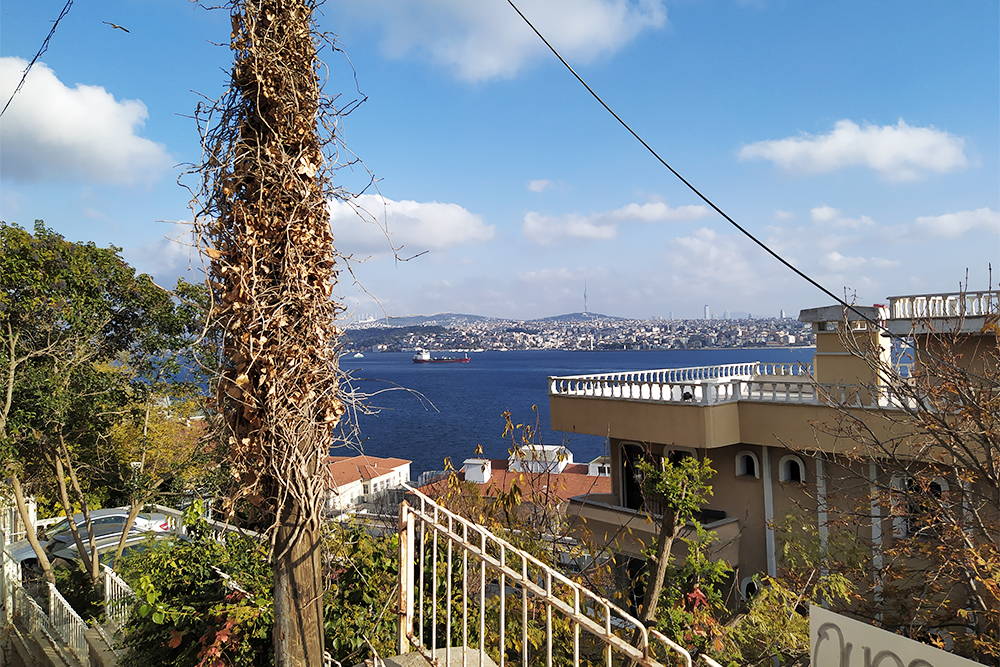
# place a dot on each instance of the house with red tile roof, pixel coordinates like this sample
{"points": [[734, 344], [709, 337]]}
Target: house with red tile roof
{"points": [[546, 470], [354, 481]]}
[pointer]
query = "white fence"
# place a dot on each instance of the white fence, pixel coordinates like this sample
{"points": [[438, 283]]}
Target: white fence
{"points": [[118, 598], [721, 384], [463, 587], [68, 624], [60, 625], [925, 306], [10, 519]]}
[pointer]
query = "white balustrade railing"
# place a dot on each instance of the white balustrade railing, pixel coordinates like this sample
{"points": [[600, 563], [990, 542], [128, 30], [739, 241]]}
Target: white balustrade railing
{"points": [[118, 598], [924, 306], [703, 385], [766, 387], [465, 589], [699, 385], [21, 608], [68, 625]]}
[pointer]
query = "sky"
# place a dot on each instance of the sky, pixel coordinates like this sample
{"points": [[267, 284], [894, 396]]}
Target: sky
{"points": [[858, 140]]}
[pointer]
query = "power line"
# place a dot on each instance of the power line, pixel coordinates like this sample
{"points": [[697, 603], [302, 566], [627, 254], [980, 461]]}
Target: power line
{"points": [[43, 49], [675, 172], [718, 210]]}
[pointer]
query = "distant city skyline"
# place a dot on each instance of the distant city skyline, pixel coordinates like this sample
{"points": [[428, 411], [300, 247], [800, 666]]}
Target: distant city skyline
{"points": [[859, 140]]}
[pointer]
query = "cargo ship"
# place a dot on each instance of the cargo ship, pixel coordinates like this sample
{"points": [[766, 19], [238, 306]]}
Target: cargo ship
{"points": [[426, 358]]}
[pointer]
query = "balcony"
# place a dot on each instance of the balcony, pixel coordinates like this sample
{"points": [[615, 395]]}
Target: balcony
{"points": [[632, 531], [709, 406], [715, 385], [928, 313]]}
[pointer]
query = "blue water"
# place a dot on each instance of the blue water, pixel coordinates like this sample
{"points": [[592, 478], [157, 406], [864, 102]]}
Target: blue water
{"points": [[460, 406]]}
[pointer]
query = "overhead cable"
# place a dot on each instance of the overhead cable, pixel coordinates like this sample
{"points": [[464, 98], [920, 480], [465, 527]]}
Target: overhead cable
{"points": [[847, 306], [43, 49]]}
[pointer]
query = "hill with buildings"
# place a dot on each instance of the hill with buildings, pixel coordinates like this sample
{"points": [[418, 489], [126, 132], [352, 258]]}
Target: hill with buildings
{"points": [[575, 331]]}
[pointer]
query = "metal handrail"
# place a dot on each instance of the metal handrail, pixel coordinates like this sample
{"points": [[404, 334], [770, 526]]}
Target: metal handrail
{"points": [[438, 547]]}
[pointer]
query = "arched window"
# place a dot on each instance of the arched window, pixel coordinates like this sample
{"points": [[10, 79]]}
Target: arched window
{"points": [[792, 470], [748, 587], [747, 465]]}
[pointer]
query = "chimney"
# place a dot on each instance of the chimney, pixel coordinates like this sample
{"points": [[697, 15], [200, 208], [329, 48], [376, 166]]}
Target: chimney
{"points": [[477, 470]]}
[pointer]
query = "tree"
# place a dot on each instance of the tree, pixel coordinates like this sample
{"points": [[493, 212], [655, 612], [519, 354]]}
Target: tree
{"points": [[160, 442], [929, 452], [68, 311], [265, 224], [679, 488]]}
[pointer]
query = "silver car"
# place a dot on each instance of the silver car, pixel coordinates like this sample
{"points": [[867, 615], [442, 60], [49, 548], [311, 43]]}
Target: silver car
{"points": [[104, 522], [62, 555]]}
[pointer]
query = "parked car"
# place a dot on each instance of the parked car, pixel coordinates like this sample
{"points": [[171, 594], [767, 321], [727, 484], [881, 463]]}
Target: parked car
{"points": [[104, 522], [137, 541]]}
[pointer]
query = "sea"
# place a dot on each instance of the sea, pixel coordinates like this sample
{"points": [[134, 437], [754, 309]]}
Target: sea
{"points": [[426, 413]]}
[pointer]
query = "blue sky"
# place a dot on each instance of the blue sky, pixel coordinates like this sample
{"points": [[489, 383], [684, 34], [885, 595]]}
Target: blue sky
{"points": [[860, 140]]}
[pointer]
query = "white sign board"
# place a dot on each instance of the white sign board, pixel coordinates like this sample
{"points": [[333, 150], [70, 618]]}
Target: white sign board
{"points": [[838, 641]]}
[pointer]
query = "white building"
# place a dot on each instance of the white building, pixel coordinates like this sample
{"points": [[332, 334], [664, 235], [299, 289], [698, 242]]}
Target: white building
{"points": [[358, 480]]}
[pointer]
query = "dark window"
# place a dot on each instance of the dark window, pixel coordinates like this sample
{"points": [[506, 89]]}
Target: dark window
{"points": [[631, 477]]}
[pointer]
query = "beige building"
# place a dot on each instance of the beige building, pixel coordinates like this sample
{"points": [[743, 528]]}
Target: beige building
{"points": [[774, 432]]}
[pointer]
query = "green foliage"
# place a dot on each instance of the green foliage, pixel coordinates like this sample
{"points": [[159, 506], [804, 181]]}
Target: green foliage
{"points": [[76, 587], [693, 599], [775, 625], [680, 485], [362, 578], [201, 602], [87, 342], [190, 614]]}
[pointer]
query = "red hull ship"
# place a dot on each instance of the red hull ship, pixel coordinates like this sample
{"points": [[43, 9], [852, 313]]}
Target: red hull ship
{"points": [[426, 358]]}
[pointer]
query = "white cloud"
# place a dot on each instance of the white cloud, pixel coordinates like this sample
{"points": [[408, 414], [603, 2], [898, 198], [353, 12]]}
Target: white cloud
{"points": [[837, 262], [950, 225], [783, 215], [484, 40], [51, 131], [824, 213], [540, 185], [706, 264], [412, 227], [899, 152], [546, 230], [830, 217], [169, 256]]}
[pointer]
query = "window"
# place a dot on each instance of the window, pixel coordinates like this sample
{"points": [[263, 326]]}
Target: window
{"points": [[747, 465], [792, 470], [748, 587], [632, 453], [914, 502]]}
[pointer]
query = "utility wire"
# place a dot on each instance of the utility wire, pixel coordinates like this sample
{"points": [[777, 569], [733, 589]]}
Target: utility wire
{"points": [[43, 49], [677, 174], [718, 210]]}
